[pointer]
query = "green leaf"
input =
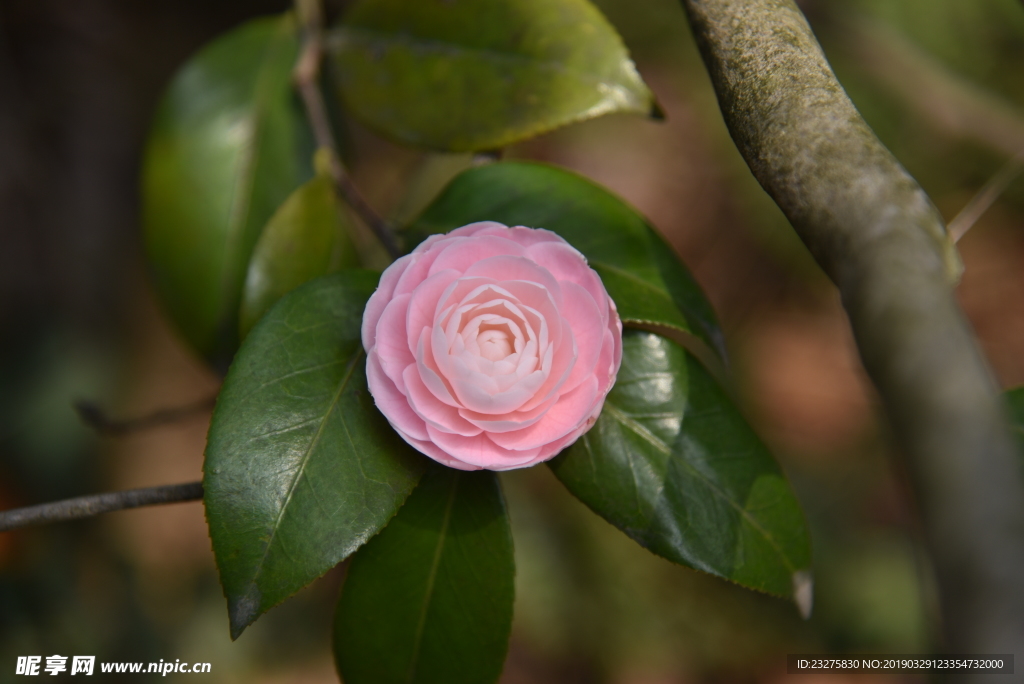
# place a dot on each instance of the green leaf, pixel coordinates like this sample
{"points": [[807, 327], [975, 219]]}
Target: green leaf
{"points": [[670, 461], [641, 273], [307, 237], [301, 468], [227, 147], [674, 465], [429, 600], [481, 74]]}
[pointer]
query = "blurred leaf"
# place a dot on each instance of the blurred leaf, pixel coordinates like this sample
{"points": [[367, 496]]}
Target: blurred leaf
{"points": [[1015, 400], [227, 147], [430, 176], [301, 468], [307, 237], [481, 74], [674, 465], [429, 600], [641, 273], [975, 39]]}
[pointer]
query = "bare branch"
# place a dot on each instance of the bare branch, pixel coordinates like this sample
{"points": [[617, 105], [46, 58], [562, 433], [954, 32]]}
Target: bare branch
{"points": [[986, 197], [96, 418], [306, 80], [88, 506], [882, 242]]}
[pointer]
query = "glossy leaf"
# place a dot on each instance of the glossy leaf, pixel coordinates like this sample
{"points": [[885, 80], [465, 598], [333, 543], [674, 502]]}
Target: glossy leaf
{"points": [[227, 147], [674, 465], [670, 460], [301, 469], [307, 237], [642, 274], [481, 74], [429, 600]]}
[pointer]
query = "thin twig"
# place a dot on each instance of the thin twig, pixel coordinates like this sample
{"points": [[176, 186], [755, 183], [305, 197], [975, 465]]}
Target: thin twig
{"points": [[985, 197], [96, 418], [88, 506], [306, 79]]}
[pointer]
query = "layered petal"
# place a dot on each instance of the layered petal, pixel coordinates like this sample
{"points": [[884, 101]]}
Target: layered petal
{"points": [[392, 403], [563, 417], [491, 347]]}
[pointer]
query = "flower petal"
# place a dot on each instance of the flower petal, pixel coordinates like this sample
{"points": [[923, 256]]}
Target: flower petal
{"points": [[461, 253], [392, 403], [558, 364], [566, 264], [582, 314], [505, 268], [472, 391], [516, 420], [380, 298], [480, 227], [432, 410], [568, 413], [392, 347], [425, 446], [480, 451], [528, 237], [430, 373], [424, 302], [491, 347]]}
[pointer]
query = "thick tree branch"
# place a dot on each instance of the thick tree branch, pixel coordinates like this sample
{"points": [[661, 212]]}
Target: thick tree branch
{"points": [[88, 506], [306, 79], [879, 238]]}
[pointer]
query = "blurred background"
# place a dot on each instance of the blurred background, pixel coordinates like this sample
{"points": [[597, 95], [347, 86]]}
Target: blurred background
{"points": [[939, 80]]}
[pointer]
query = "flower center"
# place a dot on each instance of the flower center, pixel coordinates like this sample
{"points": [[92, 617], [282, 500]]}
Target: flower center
{"points": [[494, 344]]}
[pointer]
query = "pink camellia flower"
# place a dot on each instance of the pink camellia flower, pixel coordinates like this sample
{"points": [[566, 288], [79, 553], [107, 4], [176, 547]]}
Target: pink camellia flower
{"points": [[491, 347]]}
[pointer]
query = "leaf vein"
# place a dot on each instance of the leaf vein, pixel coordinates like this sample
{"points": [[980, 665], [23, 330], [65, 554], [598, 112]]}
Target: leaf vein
{"points": [[432, 578], [300, 470], [648, 436]]}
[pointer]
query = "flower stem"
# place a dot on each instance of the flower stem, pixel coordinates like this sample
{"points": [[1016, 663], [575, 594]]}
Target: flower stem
{"points": [[305, 76]]}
